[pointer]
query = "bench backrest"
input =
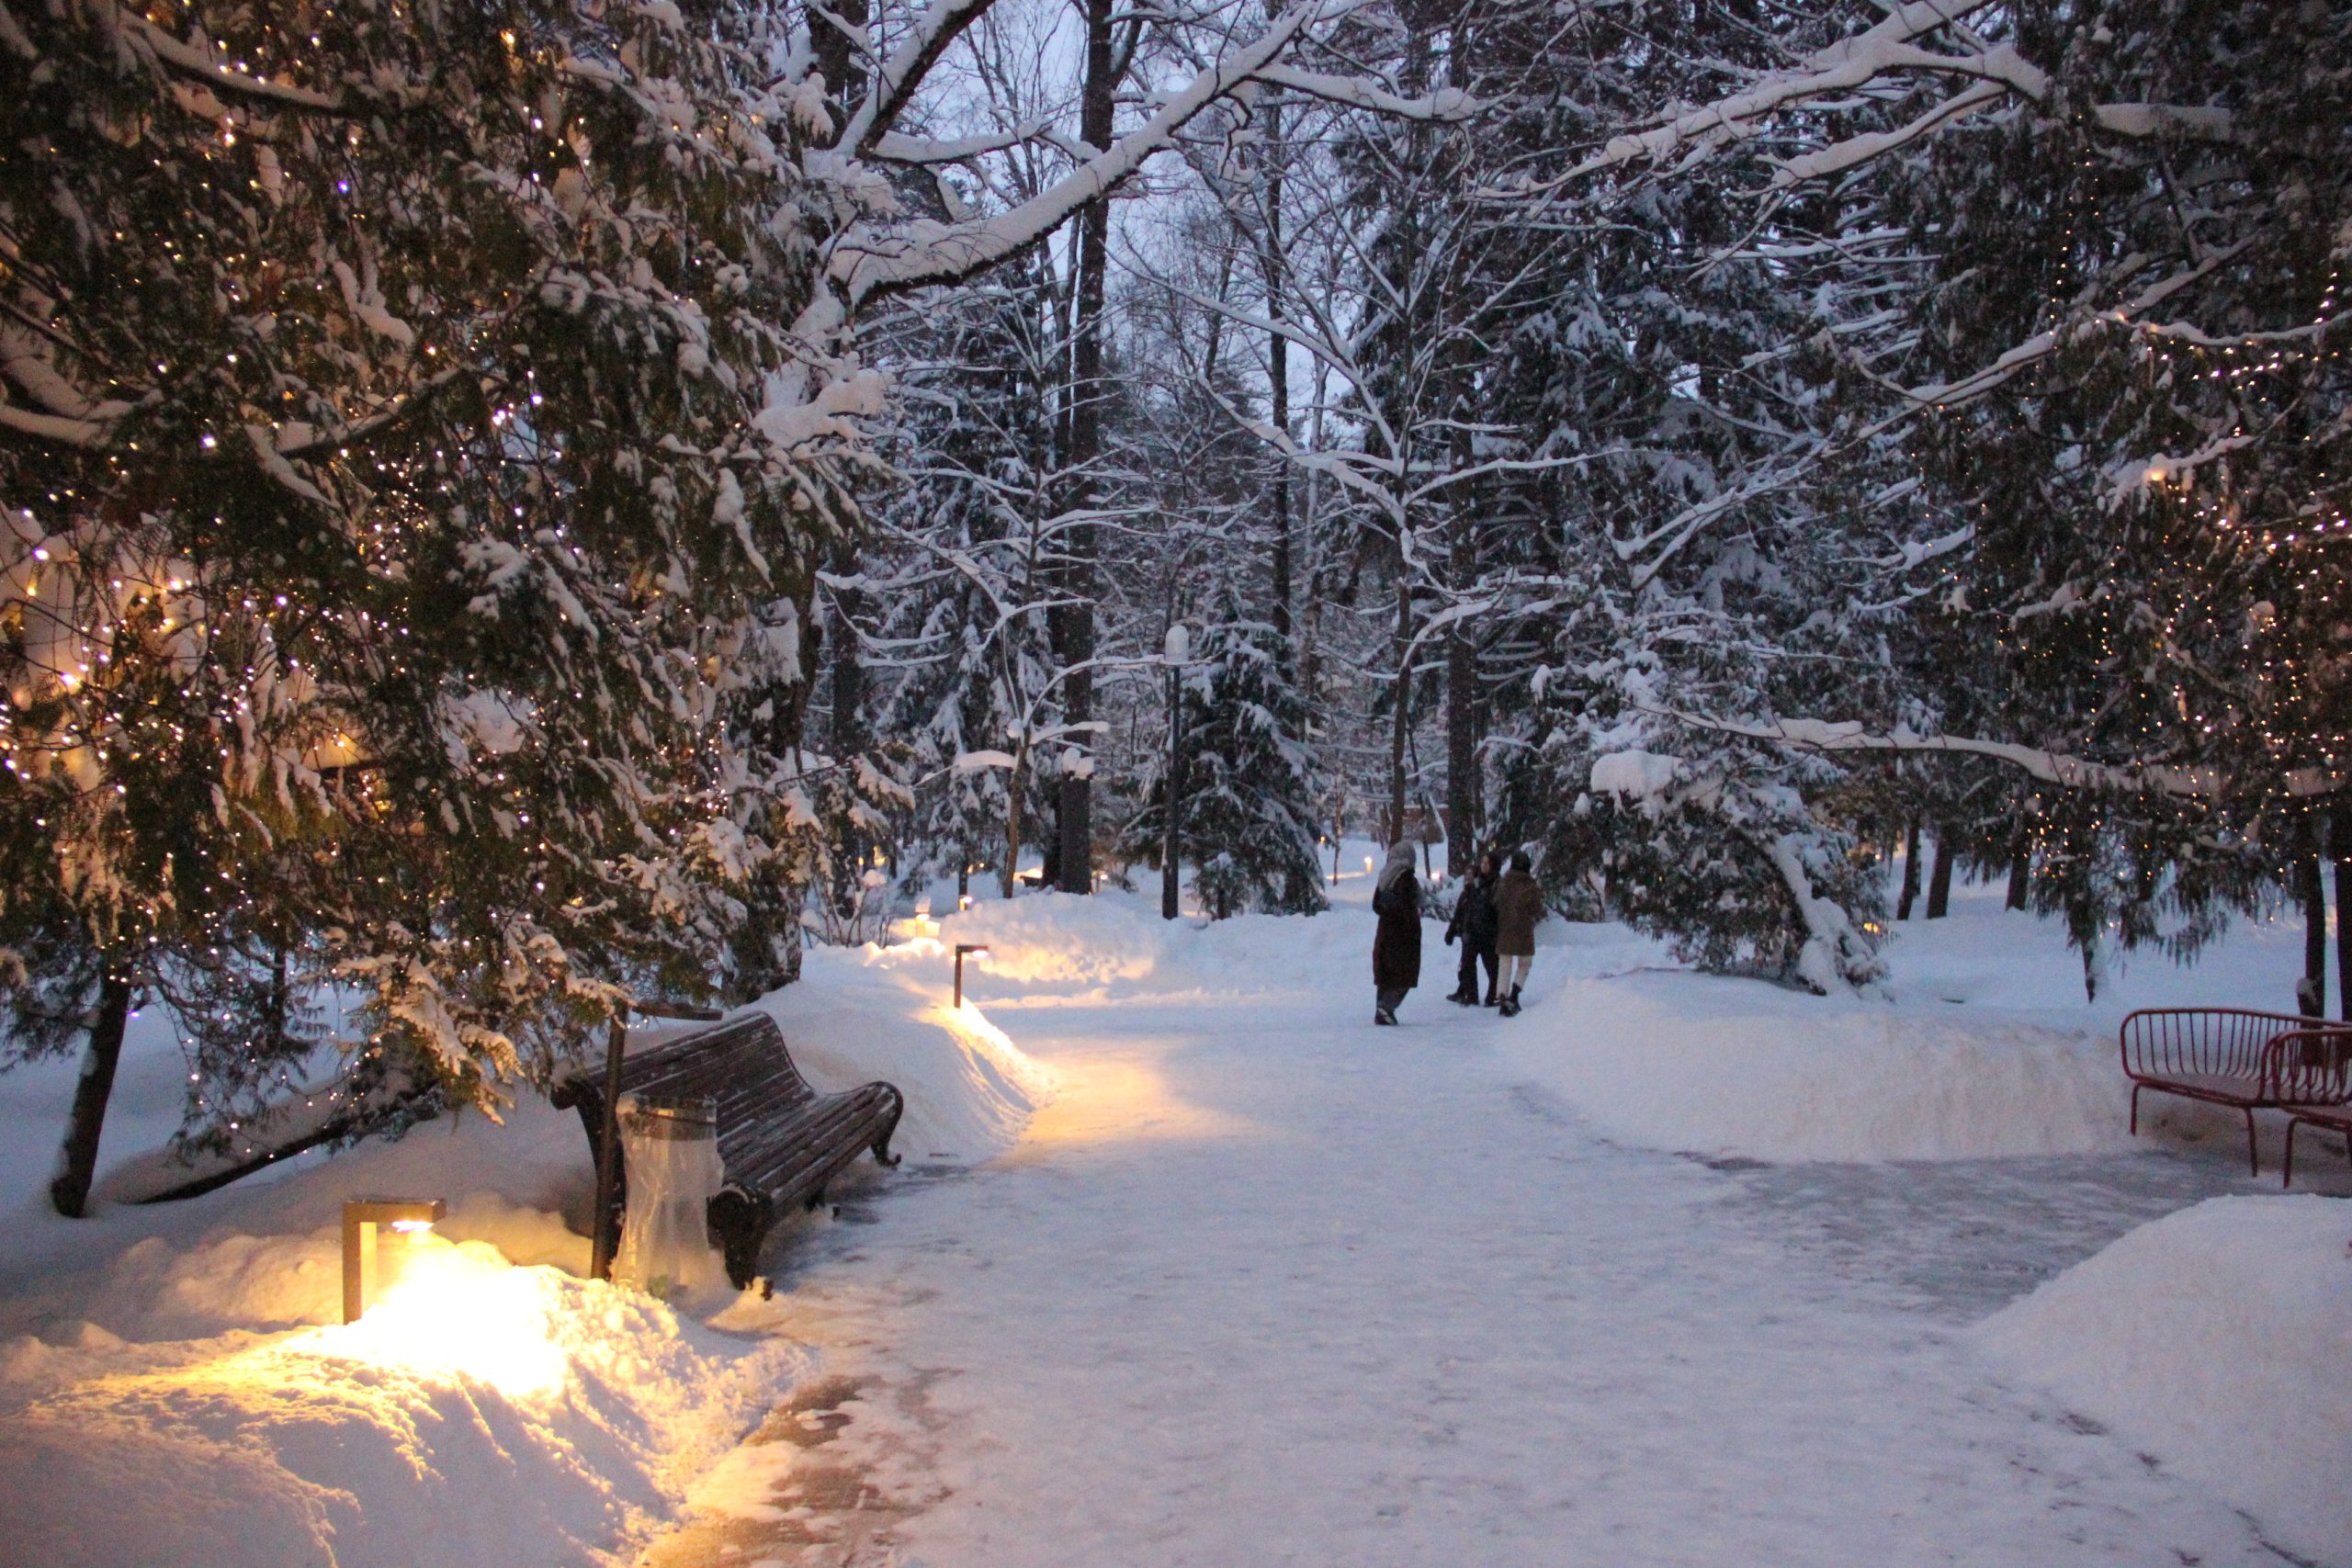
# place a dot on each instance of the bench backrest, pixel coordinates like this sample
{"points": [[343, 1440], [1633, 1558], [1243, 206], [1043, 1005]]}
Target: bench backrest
{"points": [[741, 1065], [2236, 1042]]}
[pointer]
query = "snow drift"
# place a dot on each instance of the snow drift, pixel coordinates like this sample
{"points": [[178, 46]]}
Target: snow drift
{"points": [[189, 1396], [1725, 1067], [886, 1013], [2217, 1340], [481, 1415]]}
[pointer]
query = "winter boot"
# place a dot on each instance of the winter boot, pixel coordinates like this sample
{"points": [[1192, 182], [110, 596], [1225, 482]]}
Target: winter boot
{"points": [[1383, 1016], [1510, 1008]]}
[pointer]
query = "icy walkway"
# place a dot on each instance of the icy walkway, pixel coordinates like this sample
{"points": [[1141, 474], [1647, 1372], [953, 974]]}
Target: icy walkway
{"points": [[1269, 1286]]}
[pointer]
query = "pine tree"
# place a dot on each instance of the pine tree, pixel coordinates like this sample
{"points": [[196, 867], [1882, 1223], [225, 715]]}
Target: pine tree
{"points": [[410, 445]]}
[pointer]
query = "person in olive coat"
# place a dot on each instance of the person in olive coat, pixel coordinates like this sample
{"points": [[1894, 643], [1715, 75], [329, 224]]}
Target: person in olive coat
{"points": [[1519, 904], [1474, 922], [1397, 946]]}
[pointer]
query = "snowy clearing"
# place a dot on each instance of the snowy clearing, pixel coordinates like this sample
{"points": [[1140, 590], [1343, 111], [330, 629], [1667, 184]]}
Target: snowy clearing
{"points": [[1266, 1284]]}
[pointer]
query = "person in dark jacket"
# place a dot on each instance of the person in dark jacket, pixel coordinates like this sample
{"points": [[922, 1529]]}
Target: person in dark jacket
{"points": [[1474, 922], [1397, 946], [1519, 904]]}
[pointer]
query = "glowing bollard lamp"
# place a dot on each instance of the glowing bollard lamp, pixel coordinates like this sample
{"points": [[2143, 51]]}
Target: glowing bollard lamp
{"points": [[361, 1218], [977, 949]]}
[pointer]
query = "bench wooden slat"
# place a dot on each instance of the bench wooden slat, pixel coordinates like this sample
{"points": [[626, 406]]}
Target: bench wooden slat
{"points": [[780, 1141]]}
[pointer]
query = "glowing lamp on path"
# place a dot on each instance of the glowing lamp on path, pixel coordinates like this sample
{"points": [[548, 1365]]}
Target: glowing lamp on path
{"points": [[977, 949], [362, 1217]]}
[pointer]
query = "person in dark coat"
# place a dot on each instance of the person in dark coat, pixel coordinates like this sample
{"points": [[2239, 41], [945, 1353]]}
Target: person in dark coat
{"points": [[1519, 904], [1397, 946], [1474, 922]]}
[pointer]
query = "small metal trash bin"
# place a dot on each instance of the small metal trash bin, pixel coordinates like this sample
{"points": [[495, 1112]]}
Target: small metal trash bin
{"points": [[670, 1151]]}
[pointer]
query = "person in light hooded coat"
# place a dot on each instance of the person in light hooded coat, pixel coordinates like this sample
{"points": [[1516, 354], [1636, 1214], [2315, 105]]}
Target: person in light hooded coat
{"points": [[1397, 946]]}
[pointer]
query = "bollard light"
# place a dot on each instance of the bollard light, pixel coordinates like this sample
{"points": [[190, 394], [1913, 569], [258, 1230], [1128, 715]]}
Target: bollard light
{"points": [[978, 950], [963, 902], [361, 1219]]}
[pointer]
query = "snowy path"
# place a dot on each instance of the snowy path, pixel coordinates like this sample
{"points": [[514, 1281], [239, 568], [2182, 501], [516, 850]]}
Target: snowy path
{"points": [[1269, 1286]]}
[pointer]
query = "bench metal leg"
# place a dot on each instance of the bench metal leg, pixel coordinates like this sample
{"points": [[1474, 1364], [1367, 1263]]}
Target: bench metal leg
{"points": [[742, 1220], [2135, 1109], [2287, 1175], [2253, 1149]]}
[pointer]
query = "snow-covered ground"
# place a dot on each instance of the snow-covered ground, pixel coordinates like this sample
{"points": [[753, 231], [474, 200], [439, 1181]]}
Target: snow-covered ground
{"points": [[1261, 1283], [176, 1386]]}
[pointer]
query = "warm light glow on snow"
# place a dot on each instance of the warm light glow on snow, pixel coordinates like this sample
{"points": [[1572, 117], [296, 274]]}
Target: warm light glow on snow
{"points": [[450, 1311], [1124, 1100]]}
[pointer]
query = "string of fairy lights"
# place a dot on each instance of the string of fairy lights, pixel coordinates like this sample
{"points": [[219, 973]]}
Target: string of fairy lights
{"points": [[2246, 575], [95, 626]]}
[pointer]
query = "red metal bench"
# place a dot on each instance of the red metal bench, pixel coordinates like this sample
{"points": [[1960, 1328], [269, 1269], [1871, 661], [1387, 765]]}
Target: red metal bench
{"points": [[2330, 1110], [2248, 1061]]}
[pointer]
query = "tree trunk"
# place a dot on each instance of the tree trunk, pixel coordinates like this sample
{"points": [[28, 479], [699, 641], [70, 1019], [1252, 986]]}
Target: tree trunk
{"points": [[2310, 992], [2020, 869], [1400, 722], [1910, 893], [2344, 937], [1278, 370], [77, 1162], [1012, 789], [1462, 792], [838, 57], [1075, 617], [1172, 803], [1940, 879], [848, 737]]}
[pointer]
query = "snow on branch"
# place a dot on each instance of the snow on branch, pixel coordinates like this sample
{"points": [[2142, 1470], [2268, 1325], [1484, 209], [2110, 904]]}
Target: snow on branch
{"points": [[893, 147], [1849, 64], [1355, 92], [1835, 737], [1887, 50], [868, 263], [895, 84]]}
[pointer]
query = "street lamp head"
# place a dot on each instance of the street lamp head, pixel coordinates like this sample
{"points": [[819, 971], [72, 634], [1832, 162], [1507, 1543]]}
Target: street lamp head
{"points": [[1179, 645], [977, 949]]}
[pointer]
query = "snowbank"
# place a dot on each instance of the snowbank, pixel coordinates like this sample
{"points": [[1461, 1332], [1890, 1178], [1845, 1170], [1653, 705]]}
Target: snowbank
{"points": [[1725, 1067], [2217, 1340], [188, 1393], [1986, 1048], [480, 1413], [881, 1012], [1063, 939]]}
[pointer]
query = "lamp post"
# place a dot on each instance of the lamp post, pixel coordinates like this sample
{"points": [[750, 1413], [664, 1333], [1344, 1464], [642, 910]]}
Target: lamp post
{"points": [[978, 950], [361, 1218], [1174, 652]]}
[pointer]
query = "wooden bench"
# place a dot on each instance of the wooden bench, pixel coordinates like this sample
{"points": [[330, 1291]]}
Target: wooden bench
{"points": [[780, 1141], [2248, 1061]]}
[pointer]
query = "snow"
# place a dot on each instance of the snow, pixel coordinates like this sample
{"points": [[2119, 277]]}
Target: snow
{"points": [[1224, 1275], [483, 1414], [176, 1386], [1727, 1066], [1266, 1284], [1641, 776], [2217, 1340], [1985, 1049]]}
